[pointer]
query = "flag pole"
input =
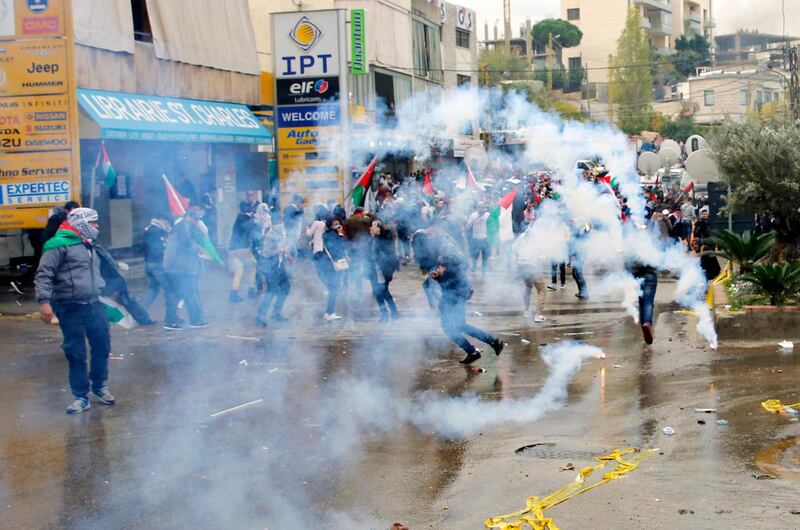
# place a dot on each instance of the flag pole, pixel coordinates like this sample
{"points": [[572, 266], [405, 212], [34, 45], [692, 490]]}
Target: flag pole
{"points": [[94, 175]]}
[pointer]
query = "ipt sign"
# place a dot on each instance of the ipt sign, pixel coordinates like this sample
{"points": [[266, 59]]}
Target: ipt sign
{"points": [[307, 44]]}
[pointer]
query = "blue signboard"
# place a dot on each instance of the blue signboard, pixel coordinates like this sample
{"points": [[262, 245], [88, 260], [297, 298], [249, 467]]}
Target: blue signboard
{"points": [[309, 115], [137, 117]]}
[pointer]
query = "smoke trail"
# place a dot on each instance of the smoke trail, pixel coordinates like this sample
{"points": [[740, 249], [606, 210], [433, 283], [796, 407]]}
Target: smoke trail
{"points": [[466, 415]]}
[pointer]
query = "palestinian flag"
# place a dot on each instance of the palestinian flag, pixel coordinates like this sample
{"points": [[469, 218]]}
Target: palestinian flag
{"points": [[470, 183], [177, 207], [359, 191], [109, 174], [427, 185], [117, 314], [67, 237], [506, 205]]}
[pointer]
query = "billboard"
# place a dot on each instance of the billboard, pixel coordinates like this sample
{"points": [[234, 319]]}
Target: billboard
{"points": [[39, 153], [310, 65]]}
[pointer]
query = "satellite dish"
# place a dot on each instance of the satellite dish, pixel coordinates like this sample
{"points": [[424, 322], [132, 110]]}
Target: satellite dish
{"points": [[695, 143], [475, 157], [649, 163], [671, 144], [702, 167], [668, 156]]}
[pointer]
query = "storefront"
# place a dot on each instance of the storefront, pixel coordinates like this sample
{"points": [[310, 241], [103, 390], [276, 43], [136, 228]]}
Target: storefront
{"points": [[201, 146]]}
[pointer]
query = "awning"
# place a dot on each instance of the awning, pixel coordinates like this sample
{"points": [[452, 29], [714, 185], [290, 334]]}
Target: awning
{"points": [[123, 116]]}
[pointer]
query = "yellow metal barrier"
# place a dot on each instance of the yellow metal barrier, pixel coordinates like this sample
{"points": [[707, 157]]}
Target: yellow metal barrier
{"points": [[533, 513]]}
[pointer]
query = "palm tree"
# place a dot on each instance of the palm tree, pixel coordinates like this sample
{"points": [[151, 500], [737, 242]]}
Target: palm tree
{"points": [[778, 281], [745, 250]]}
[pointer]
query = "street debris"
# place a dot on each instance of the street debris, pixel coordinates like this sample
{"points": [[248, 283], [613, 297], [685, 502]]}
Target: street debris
{"points": [[617, 366], [477, 369], [237, 337], [477, 314], [721, 422], [705, 411], [525, 341], [243, 362], [116, 357], [272, 371], [669, 431], [762, 476], [786, 344], [701, 422], [237, 407], [579, 333], [398, 526], [684, 511], [775, 406], [568, 467]]}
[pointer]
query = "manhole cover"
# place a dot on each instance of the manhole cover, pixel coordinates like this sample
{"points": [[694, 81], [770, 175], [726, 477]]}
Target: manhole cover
{"points": [[550, 452]]}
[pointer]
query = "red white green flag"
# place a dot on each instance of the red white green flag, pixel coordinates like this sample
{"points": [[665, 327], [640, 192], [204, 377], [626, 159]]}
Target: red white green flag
{"points": [[177, 207], [471, 183], [427, 185], [109, 174], [362, 184], [506, 204]]}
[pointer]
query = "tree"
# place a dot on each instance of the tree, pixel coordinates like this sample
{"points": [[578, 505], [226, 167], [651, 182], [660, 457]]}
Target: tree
{"points": [[575, 79], [630, 86], [760, 160], [690, 54], [569, 34], [680, 130], [499, 65], [540, 74]]}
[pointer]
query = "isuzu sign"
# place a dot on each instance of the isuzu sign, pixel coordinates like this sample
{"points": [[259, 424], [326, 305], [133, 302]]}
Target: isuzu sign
{"points": [[306, 44]]}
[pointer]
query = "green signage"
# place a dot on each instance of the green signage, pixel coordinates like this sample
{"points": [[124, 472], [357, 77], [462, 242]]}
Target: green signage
{"points": [[358, 42]]}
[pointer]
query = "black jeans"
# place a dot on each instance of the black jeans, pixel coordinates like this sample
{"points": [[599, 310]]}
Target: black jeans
{"points": [[577, 275], [382, 295], [329, 278], [648, 296], [480, 248], [451, 311], [78, 323], [554, 269], [186, 287], [431, 291]]}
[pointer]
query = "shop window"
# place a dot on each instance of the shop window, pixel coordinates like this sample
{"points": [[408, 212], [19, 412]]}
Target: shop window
{"points": [[744, 97], [141, 22], [462, 80], [574, 14], [708, 96], [462, 38]]}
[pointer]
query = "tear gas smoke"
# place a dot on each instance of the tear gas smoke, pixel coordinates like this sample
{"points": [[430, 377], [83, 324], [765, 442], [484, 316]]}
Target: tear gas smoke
{"points": [[466, 415]]}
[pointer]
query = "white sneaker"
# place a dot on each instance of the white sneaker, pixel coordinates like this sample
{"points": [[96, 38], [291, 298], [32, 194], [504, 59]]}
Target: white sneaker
{"points": [[332, 316], [539, 318], [551, 287], [526, 314], [563, 287]]}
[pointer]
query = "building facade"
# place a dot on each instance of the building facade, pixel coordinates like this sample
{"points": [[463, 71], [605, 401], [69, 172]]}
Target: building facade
{"points": [[459, 46], [717, 95], [602, 22]]}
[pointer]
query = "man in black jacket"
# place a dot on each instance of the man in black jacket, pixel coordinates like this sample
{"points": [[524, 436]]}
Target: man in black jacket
{"points": [[451, 274], [155, 243]]}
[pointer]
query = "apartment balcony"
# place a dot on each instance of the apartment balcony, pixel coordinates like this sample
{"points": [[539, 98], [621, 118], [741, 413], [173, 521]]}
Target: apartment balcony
{"points": [[693, 16], [710, 24], [660, 5], [645, 24], [691, 28], [660, 24]]}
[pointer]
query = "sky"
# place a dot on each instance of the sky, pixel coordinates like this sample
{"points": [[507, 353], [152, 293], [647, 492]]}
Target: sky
{"points": [[763, 15]]}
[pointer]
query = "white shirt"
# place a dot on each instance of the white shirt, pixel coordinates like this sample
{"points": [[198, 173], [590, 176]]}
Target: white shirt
{"points": [[477, 222], [315, 232]]}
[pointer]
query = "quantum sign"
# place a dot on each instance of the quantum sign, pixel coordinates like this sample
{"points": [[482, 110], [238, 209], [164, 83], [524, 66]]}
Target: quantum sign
{"points": [[358, 42]]}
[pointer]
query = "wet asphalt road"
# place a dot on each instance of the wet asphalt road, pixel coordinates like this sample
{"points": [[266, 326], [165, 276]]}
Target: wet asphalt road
{"points": [[324, 448]]}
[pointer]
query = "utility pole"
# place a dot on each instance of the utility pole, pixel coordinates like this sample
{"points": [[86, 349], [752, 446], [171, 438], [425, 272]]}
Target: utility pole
{"points": [[588, 91], [794, 85], [549, 62], [507, 24]]}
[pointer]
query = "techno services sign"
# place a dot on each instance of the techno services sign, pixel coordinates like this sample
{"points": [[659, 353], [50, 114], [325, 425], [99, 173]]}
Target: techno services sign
{"points": [[310, 65]]}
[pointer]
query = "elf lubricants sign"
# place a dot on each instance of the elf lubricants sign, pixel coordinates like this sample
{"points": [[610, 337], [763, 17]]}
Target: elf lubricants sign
{"points": [[38, 114], [310, 65]]}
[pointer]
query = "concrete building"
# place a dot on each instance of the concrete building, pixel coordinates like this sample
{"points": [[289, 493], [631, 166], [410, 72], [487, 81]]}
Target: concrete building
{"points": [[745, 47], [719, 94], [459, 46], [602, 22]]}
